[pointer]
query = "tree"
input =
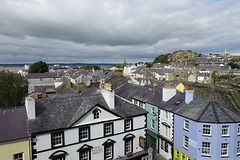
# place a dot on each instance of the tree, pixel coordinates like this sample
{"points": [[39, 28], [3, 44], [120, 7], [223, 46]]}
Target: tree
{"points": [[162, 59], [13, 90], [38, 67], [214, 76], [233, 65], [95, 67], [148, 65]]}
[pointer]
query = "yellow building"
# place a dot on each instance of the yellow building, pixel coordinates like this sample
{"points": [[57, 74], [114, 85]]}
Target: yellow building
{"points": [[15, 143], [16, 149]]}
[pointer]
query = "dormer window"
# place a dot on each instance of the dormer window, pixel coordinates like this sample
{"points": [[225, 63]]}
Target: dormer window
{"points": [[96, 113]]}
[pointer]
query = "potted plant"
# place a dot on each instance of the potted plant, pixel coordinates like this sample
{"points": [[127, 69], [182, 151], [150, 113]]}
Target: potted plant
{"points": [[129, 154]]}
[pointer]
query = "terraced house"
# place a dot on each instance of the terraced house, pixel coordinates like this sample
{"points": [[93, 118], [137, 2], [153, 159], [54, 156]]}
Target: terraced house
{"points": [[161, 103], [94, 125], [206, 130]]}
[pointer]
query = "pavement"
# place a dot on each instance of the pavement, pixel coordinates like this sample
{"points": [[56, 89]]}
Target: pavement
{"points": [[157, 156]]}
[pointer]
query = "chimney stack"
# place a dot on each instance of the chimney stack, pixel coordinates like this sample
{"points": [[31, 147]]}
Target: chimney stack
{"points": [[188, 95], [155, 88], [109, 98], [30, 107], [168, 92]]}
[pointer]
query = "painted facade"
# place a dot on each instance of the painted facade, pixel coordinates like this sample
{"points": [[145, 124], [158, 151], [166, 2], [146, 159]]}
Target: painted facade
{"points": [[214, 134], [95, 129], [11, 149]]}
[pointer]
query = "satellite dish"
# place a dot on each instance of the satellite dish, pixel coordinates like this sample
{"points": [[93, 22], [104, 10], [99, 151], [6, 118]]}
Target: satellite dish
{"points": [[87, 83]]}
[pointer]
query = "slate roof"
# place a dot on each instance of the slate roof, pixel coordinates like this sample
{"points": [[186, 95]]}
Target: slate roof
{"points": [[208, 111], [145, 94], [13, 124], [64, 110], [43, 75]]}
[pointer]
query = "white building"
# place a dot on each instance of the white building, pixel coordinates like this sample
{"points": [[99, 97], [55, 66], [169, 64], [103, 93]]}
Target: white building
{"points": [[95, 125], [42, 79]]}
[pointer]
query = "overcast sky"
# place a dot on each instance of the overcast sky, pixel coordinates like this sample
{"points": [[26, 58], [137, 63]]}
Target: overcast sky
{"points": [[99, 31]]}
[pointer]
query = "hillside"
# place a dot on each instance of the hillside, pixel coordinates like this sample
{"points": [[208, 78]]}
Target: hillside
{"points": [[182, 54], [172, 57]]}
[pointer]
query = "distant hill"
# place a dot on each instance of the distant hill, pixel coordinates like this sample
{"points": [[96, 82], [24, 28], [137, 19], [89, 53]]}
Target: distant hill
{"points": [[172, 57]]}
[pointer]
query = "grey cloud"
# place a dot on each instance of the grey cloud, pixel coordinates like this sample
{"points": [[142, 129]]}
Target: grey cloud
{"points": [[73, 30]]}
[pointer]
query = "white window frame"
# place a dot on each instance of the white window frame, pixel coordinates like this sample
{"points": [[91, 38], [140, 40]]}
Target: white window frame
{"points": [[18, 156], [186, 125], [128, 124], [206, 146], [225, 131], [185, 142], [183, 156], [96, 114], [238, 148], [84, 133], [238, 129], [152, 123], [152, 111], [206, 131], [108, 129], [84, 155], [57, 139], [128, 145], [224, 149], [108, 151]]}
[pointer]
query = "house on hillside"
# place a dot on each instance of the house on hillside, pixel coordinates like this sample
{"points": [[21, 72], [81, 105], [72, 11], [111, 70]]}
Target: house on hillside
{"points": [[94, 125], [15, 142]]}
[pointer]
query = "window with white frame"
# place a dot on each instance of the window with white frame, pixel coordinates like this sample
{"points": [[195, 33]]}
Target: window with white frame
{"points": [[177, 154], [166, 130], [152, 110], [206, 130], [84, 133], [108, 129], [224, 149], [128, 146], [57, 139], [239, 129], [141, 104], [225, 130], [108, 151], [183, 156], [206, 148], [96, 114], [136, 102], [186, 124], [128, 124], [238, 148], [185, 142], [152, 123], [167, 115], [18, 156], [84, 155]]}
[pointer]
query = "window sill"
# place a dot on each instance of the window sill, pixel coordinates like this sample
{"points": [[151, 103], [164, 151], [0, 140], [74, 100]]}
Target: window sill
{"points": [[225, 156], [203, 155], [185, 148], [206, 135], [225, 136], [186, 129]]}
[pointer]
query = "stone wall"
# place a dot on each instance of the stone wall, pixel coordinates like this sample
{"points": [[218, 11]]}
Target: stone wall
{"points": [[229, 97]]}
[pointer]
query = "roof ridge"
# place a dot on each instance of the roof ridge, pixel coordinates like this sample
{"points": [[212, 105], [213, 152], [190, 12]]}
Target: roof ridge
{"points": [[225, 112], [214, 112], [204, 110]]}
